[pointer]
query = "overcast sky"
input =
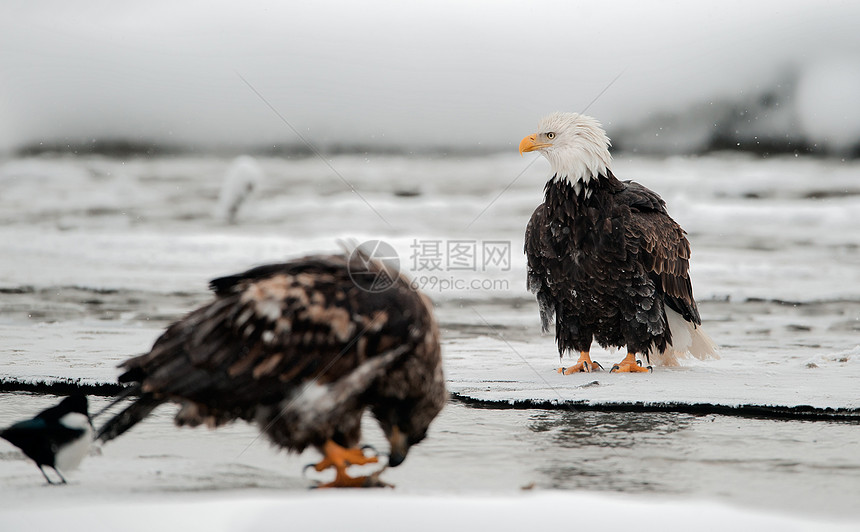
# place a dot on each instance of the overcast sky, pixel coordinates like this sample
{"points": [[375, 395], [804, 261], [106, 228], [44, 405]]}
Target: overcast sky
{"points": [[401, 73]]}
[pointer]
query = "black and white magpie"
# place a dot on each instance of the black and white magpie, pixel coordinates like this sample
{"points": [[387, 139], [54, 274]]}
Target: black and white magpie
{"points": [[58, 437]]}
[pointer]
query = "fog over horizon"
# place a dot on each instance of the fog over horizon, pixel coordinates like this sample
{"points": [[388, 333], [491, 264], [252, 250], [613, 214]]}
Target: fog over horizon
{"points": [[472, 75]]}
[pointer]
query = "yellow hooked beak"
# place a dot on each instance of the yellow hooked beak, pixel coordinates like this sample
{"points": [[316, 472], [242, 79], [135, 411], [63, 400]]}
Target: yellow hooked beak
{"points": [[530, 143]]}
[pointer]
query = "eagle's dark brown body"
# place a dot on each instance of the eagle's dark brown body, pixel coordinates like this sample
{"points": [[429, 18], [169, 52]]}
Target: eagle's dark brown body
{"points": [[301, 349], [606, 260]]}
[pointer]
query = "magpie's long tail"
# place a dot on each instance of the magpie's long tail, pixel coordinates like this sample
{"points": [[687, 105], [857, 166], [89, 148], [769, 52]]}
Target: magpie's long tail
{"points": [[128, 418]]}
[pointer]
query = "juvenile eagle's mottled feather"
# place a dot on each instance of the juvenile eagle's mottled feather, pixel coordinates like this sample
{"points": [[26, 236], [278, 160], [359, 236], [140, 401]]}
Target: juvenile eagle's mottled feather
{"points": [[276, 332]]}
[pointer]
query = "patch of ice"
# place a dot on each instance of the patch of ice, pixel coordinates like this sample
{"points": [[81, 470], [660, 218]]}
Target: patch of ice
{"points": [[842, 358]]}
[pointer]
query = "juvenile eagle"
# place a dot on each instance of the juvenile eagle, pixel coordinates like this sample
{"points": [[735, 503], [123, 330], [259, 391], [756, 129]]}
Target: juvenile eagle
{"points": [[604, 257], [301, 349]]}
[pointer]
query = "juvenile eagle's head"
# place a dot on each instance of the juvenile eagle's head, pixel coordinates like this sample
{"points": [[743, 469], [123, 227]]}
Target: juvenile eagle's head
{"points": [[575, 145]]}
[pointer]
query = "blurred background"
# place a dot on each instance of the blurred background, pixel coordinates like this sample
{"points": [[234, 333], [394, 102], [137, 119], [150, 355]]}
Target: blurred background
{"points": [[470, 77]]}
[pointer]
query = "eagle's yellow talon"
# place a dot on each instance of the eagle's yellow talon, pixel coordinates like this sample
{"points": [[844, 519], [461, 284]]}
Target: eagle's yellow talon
{"points": [[630, 365], [345, 481], [340, 458], [584, 365], [594, 366]]}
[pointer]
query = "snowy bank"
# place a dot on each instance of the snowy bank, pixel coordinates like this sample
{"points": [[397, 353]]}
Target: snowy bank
{"points": [[337, 511]]}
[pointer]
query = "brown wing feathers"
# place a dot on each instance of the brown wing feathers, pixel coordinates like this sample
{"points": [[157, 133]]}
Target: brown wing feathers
{"points": [[265, 330], [664, 252]]}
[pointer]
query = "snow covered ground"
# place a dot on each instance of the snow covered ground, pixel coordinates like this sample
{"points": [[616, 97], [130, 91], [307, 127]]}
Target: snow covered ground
{"points": [[364, 512], [99, 254]]}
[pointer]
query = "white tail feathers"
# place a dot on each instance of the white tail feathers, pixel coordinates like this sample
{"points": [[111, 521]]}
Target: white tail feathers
{"points": [[687, 339]]}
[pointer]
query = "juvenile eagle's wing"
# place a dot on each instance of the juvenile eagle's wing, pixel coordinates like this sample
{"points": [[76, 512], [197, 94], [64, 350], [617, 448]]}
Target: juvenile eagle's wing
{"points": [[662, 247], [270, 330]]}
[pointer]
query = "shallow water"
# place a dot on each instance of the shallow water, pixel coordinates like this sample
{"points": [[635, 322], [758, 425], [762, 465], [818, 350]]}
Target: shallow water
{"points": [[796, 467]]}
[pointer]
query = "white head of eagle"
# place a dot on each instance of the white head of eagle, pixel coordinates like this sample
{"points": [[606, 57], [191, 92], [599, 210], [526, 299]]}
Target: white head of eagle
{"points": [[574, 144]]}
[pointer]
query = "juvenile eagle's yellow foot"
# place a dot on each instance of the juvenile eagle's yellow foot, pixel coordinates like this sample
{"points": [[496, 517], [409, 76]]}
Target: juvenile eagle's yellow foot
{"points": [[629, 365], [342, 480], [340, 458], [584, 364]]}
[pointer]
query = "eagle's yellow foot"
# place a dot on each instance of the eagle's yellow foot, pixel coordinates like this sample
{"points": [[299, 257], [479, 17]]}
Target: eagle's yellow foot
{"points": [[584, 364], [629, 365], [340, 458], [342, 480]]}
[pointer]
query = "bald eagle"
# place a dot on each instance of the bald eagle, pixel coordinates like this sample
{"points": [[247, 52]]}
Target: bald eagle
{"points": [[604, 257], [302, 349]]}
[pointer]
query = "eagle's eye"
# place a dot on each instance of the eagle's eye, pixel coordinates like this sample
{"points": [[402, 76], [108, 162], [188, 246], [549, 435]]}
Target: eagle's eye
{"points": [[550, 135]]}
